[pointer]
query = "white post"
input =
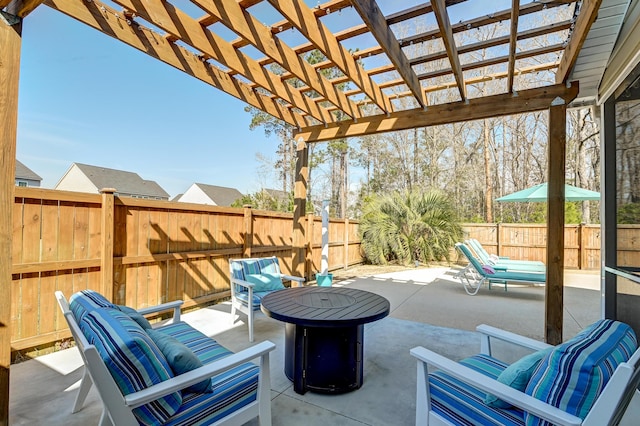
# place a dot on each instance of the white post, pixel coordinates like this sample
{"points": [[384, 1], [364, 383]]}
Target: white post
{"points": [[324, 264]]}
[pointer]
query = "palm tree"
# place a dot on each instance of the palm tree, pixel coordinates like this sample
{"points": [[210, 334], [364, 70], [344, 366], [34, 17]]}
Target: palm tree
{"points": [[409, 227]]}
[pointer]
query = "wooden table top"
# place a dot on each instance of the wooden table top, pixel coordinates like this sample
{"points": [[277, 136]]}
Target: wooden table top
{"points": [[325, 306]]}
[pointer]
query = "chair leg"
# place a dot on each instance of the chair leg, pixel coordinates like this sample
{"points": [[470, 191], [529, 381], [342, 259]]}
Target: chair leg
{"points": [[104, 419], [250, 321], [264, 392], [233, 312], [85, 386]]}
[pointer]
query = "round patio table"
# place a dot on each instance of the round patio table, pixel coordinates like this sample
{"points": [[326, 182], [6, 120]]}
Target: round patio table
{"points": [[324, 334]]}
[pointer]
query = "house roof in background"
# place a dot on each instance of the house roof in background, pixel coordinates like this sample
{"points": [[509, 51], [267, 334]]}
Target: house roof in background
{"points": [[23, 172], [221, 195], [124, 182]]}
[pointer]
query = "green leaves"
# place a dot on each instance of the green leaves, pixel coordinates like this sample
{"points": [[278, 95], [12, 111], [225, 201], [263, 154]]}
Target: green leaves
{"points": [[408, 227]]}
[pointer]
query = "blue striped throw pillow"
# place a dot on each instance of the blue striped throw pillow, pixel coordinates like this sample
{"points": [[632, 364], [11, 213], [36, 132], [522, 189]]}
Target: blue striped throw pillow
{"points": [[575, 373]]}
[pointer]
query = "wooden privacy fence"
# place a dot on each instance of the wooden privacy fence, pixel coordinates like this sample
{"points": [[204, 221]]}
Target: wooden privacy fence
{"points": [[529, 242], [143, 252]]}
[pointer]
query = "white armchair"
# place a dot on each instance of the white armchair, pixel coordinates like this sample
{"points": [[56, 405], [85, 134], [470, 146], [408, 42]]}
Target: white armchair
{"points": [[251, 280], [452, 393]]}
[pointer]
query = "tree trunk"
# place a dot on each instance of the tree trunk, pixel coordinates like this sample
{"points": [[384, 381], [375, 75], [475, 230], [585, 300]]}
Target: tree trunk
{"points": [[488, 193]]}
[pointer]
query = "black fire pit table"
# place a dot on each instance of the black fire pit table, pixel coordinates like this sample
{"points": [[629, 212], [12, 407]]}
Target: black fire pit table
{"points": [[324, 334]]}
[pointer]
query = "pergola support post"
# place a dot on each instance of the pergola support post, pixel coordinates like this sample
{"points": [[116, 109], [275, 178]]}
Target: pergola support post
{"points": [[298, 254], [555, 223], [11, 41]]}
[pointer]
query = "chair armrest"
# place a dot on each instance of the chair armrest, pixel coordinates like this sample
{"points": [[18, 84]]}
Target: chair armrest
{"points": [[514, 397], [488, 332], [175, 305], [242, 283], [297, 280], [182, 381]]}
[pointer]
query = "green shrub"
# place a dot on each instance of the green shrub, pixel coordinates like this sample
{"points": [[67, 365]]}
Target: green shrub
{"points": [[408, 227]]}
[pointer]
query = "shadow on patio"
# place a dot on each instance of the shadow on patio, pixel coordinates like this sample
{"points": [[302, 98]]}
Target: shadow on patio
{"points": [[428, 308]]}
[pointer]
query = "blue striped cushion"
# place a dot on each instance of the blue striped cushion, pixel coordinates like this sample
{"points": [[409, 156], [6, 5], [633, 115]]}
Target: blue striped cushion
{"points": [[86, 301], [243, 267], [206, 349], [462, 404], [576, 372], [269, 265], [134, 361], [231, 390], [243, 296]]}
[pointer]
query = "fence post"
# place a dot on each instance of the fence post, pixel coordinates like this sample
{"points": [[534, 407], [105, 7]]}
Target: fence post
{"points": [[106, 240], [581, 250], [498, 245], [247, 244], [346, 243]]}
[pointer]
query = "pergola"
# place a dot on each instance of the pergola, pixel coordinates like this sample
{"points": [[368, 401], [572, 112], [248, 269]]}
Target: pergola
{"points": [[386, 84]]}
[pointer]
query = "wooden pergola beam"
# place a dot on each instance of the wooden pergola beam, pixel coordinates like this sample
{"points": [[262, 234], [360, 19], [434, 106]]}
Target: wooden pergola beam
{"points": [[303, 18], [440, 10], [21, 8], [181, 26], [587, 16], [150, 42], [484, 78], [484, 20], [411, 13], [375, 20], [513, 38], [319, 11], [472, 47], [473, 109], [258, 35], [493, 61]]}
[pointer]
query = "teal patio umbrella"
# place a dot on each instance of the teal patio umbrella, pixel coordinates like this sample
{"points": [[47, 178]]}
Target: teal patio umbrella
{"points": [[538, 193]]}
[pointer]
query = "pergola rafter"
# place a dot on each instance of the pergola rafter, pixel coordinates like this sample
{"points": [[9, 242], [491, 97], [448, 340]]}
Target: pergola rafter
{"points": [[374, 19], [513, 38], [258, 35], [303, 18], [440, 10]]}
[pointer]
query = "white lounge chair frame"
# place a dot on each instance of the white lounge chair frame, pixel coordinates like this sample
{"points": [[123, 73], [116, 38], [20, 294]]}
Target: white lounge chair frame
{"points": [[118, 409], [247, 308], [607, 409], [472, 278], [86, 382]]}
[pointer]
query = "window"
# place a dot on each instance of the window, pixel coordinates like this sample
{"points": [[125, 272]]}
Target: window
{"points": [[621, 220]]}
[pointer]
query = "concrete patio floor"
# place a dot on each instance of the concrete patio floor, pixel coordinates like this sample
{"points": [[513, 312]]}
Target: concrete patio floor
{"points": [[428, 308]]}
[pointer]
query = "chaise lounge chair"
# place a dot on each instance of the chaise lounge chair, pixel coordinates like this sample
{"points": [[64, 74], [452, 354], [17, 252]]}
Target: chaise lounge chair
{"points": [[475, 274], [504, 264]]}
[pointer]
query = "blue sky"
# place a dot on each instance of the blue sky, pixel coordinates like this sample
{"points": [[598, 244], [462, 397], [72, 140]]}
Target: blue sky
{"points": [[88, 98]]}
